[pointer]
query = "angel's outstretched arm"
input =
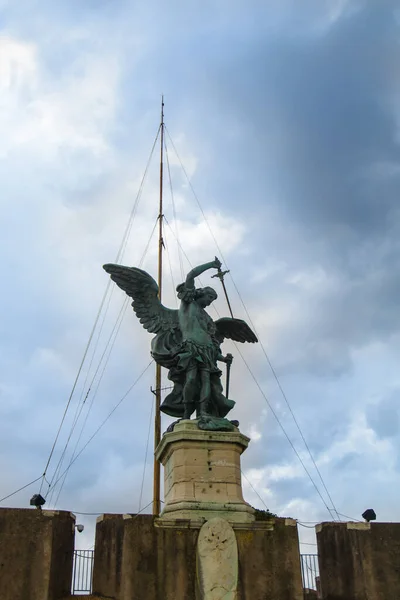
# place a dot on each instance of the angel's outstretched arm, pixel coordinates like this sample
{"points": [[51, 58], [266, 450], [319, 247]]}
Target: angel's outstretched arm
{"points": [[215, 264]]}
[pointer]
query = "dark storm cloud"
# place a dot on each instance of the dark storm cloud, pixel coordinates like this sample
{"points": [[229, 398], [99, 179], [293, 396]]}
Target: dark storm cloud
{"points": [[323, 139], [319, 113], [357, 311]]}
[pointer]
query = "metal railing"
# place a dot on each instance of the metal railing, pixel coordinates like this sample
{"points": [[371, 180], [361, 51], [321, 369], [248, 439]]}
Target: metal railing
{"points": [[82, 572], [309, 570]]}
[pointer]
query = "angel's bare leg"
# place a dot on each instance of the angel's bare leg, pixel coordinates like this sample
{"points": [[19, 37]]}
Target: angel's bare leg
{"points": [[204, 393], [189, 392]]}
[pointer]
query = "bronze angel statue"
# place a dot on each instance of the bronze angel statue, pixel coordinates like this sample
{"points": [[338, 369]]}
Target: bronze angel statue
{"points": [[187, 341]]}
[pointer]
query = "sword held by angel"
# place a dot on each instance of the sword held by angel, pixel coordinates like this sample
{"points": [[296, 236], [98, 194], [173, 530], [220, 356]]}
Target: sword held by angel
{"points": [[187, 340]]}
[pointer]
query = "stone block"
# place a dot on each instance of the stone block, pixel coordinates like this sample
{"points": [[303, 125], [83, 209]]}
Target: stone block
{"points": [[359, 561], [269, 561], [184, 454], [210, 492], [36, 553], [137, 560], [198, 473], [234, 492], [181, 490]]}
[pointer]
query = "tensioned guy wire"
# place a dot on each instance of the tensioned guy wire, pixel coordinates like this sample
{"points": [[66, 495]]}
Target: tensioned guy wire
{"points": [[282, 428], [145, 455], [111, 340], [118, 257], [251, 323], [174, 212], [21, 488], [105, 421]]}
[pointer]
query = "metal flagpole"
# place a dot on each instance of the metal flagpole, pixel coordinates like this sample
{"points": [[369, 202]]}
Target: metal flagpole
{"points": [[157, 417]]}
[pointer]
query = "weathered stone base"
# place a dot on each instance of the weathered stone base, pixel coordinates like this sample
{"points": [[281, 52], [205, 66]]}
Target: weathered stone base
{"points": [[359, 561], [139, 557], [202, 475], [36, 553], [239, 512]]}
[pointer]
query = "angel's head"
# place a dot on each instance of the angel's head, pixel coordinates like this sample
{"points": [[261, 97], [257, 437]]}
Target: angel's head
{"points": [[204, 296]]}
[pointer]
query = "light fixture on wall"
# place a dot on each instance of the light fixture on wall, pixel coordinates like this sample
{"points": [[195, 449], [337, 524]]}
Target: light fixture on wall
{"points": [[37, 500], [369, 515]]}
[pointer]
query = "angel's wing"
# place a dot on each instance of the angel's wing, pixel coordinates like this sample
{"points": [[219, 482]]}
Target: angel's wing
{"points": [[235, 329], [142, 288]]}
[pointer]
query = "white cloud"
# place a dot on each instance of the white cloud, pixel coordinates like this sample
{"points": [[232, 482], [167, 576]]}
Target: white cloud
{"points": [[359, 439], [51, 117], [254, 434], [336, 9], [18, 64]]}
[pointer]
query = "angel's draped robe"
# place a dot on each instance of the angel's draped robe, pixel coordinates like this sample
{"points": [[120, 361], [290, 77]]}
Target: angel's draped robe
{"points": [[193, 345]]}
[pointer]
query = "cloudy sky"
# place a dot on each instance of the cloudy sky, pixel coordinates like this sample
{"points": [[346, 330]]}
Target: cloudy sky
{"points": [[286, 117]]}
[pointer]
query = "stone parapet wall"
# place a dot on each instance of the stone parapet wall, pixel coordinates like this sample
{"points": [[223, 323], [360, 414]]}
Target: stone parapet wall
{"points": [[140, 557], [359, 561], [36, 553]]}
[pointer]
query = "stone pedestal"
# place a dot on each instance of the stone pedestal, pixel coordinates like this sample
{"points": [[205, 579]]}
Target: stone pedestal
{"points": [[359, 561], [36, 553], [202, 475]]}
